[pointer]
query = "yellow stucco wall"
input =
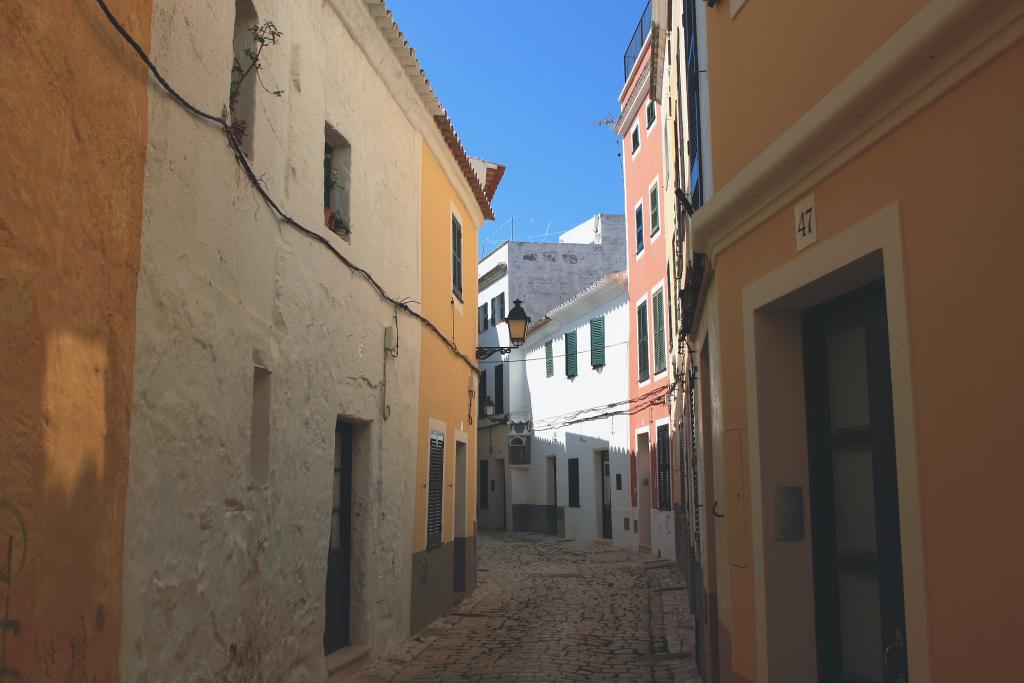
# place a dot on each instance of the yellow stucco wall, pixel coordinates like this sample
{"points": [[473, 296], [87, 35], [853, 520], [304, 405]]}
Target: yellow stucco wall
{"points": [[955, 171], [819, 42], [73, 111], [445, 380]]}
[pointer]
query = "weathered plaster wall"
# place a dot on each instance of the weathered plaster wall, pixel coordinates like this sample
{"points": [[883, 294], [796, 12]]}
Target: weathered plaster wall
{"points": [[224, 578], [72, 109]]}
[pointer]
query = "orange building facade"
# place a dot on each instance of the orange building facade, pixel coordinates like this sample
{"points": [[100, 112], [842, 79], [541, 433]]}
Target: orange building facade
{"points": [[852, 342], [70, 225]]}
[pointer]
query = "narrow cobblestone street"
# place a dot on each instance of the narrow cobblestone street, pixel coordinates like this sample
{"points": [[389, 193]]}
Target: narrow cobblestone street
{"points": [[550, 609]]}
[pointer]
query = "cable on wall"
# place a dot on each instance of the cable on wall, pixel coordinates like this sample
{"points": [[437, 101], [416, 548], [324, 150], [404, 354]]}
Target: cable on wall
{"points": [[243, 162]]}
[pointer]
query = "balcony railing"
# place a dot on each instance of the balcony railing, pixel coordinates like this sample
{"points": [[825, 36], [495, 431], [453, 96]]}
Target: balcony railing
{"points": [[636, 43]]}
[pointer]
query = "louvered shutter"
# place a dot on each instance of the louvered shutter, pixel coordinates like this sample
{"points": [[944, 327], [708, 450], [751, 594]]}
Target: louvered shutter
{"points": [[574, 482], [643, 355], [549, 358], [597, 342], [456, 257], [664, 470], [570, 354], [435, 493], [659, 333]]}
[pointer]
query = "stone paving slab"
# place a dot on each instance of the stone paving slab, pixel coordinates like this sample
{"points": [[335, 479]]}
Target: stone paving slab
{"points": [[547, 609]]}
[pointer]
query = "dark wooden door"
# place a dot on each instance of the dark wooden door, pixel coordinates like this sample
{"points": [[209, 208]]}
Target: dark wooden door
{"points": [[854, 503], [606, 496], [336, 627]]}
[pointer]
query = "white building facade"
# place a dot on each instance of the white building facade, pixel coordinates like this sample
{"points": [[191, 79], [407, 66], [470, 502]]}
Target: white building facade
{"points": [[542, 275], [569, 466]]}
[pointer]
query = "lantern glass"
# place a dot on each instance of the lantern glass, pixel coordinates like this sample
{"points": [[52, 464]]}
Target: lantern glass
{"points": [[517, 322]]}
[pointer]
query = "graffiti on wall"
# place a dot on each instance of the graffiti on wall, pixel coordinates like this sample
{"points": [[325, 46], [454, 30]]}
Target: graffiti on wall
{"points": [[13, 548]]}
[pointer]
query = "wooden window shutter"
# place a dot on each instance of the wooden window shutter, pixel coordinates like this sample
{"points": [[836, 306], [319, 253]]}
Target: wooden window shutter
{"points": [[643, 355], [435, 492], [549, 358], [570, 354], [574, 482], [664, 470], [456, 257], [481, 315], [597, 342], [659, 332]]}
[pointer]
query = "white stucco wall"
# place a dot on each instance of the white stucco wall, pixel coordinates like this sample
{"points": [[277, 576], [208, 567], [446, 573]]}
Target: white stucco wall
{"points": [[224, 579], [542, 400]]}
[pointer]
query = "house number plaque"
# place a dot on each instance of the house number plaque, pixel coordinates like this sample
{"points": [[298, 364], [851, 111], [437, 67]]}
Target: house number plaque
{"points": [[806, 223]]}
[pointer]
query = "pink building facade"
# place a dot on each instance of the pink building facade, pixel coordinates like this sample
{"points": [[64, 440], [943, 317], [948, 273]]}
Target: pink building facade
{"points": [[641, 127]]}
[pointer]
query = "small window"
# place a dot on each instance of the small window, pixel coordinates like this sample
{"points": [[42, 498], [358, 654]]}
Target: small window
{"points": [[549, 358], [337, 182], [643, 355], [638, 217], [519, 451], [242, 93], [482, 478], [651, 113], [655, 222], [435, 489], [574, 482], [483, 390], [664, 470], [456, 258], [570, 354], [618, 482], [481, 318], [499, 389], [498, 309], [259, 443], [597, 342], [635, 138]]}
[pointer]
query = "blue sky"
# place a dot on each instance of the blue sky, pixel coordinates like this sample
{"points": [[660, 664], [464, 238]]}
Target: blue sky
{"points": [[524, 83]]}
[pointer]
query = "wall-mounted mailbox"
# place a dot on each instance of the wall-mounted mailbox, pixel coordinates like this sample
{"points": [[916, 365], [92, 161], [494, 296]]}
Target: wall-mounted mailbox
{"points": [[789, 513]]}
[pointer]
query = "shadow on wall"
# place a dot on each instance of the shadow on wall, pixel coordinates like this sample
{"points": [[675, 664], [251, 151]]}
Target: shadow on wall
{"points": [[70, 220], [574, 501]]}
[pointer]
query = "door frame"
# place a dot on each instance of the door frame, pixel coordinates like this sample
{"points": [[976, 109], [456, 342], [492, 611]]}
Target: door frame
{"points": [[853, 257]]}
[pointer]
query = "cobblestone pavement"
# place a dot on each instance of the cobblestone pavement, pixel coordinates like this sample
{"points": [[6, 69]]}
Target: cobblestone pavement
{"points": [[549, 609]]}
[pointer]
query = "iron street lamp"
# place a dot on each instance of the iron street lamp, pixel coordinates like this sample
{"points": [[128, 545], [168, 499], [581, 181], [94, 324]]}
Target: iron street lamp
{"points": [[488, 408], [517, 322]]}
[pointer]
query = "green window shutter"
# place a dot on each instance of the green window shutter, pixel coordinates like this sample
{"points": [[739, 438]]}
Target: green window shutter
{"points": [[655, 218], [664, 480], [643, 355], [597, 342], [570, 354], [659, 333], [549, 358]]}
